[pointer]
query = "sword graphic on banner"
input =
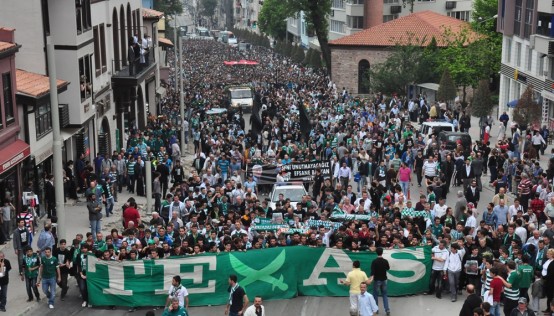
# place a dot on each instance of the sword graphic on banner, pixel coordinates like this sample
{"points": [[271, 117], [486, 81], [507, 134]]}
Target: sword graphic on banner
{"points": [[265, 275]]}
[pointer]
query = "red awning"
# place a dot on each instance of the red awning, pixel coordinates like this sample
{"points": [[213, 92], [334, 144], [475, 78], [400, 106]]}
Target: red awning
{"points": [[13, 154], [240, 62]]}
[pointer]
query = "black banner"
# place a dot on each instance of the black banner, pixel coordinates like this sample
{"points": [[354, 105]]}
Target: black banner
{"points": [[296, 171]]}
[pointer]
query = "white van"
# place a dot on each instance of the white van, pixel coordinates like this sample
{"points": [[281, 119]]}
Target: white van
{"points": [[427, 128]]}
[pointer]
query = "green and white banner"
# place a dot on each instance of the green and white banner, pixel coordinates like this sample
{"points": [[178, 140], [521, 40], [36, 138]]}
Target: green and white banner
{"points": [[276, 273]]}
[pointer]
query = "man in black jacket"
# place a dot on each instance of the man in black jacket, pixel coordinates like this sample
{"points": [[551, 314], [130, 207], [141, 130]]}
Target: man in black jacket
{"points": [[472, 193], [472, 301]]}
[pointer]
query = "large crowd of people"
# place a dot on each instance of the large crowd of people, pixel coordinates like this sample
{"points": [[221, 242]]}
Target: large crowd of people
{"points": [[377, 156]]}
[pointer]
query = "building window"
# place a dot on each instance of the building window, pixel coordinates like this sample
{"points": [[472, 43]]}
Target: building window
{"points": [[100, 62], [529, 58], [8, 98], [293, 22], [337, 4], [508, 50], [337, 26], [97, 56], [82, 14], [103, 48], [460, 15], [390, 1], [528, 18], [518, 54], [355, 22], [85, 75], [540, 64], [389, 17], [43, 120], [517, 17]]}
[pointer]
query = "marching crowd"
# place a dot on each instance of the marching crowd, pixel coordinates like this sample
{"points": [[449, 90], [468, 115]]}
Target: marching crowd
{"points": [[499, 250]]}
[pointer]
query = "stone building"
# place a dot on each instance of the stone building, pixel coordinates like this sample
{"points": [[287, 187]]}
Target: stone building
{"points": [[353, 55]]}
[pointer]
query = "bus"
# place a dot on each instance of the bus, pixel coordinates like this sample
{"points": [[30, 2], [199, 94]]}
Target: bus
{"points": [[203, 33], [228, 38]]}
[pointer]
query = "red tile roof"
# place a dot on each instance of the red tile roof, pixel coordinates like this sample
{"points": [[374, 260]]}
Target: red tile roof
{"points": [[33, 84], [5, 46], [151, 14], [416, 27]]}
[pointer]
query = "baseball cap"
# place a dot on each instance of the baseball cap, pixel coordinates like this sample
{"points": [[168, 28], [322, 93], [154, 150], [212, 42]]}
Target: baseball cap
{"points": [[522, 300]]}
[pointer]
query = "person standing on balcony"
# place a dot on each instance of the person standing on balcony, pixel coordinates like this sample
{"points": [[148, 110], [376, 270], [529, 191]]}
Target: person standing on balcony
{"points": [[131, 58]]}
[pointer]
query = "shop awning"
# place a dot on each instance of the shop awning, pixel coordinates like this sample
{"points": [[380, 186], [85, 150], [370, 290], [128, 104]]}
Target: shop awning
{"points": [[13, 154], [67, 133], [165, 42]]}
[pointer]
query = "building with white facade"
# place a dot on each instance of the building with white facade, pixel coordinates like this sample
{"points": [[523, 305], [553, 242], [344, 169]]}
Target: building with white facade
{"points": [[102, 97], [351, 16], [527, 52]]}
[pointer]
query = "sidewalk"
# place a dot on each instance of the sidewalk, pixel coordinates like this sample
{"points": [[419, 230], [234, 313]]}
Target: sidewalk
{"points": [[76, 222]]}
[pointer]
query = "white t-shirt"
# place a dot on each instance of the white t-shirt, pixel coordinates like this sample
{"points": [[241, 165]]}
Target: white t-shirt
{"points": [[179, 292]]}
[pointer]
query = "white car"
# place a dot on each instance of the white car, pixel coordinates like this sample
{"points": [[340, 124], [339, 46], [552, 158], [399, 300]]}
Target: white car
{"points": [[292, 191], [427, 128]]}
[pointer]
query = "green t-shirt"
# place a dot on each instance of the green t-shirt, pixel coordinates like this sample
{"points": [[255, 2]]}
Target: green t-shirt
{"points": [[525, 276], [31, 262], [49, 267], [513, 292]]}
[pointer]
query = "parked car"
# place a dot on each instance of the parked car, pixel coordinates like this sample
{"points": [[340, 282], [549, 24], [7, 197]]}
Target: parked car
{"points": [[451, 140], [427, 128]]}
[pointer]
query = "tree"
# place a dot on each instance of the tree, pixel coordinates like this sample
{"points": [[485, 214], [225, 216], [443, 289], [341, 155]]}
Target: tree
{"points": [[528, 111], [447, 88], [316, 59], [482, 101], [465, 57], [272, 18], [408, 63], [299, 54], [208, 8], [169, 7]]}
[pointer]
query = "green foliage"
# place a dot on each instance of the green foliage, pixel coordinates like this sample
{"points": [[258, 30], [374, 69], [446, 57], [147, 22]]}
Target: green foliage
{"points": [[315, 61], [272, 18], [288, 49], [208, 7], [299, 55], [251, 37], [169, 7], [447, 88], [527, 111], [482, 101], [406, 65]]}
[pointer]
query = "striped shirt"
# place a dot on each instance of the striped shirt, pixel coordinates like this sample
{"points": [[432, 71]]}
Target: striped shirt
{"points": [[513, 292], [488, 280], [430, 169], [131, 168]]}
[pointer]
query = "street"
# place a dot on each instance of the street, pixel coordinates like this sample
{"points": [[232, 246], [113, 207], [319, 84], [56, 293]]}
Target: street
{"points": [[308, 306]]}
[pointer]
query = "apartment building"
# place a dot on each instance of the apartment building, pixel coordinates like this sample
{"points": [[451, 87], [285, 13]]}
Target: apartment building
{"points": [[348, 17], [102, 92], [527, 53]]}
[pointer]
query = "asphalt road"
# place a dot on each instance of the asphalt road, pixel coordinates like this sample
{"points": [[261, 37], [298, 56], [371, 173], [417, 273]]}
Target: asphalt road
{"points": [[301, 306]]}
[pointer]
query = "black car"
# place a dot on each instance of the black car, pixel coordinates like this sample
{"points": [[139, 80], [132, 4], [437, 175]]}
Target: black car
{"points": [[451, 140]]}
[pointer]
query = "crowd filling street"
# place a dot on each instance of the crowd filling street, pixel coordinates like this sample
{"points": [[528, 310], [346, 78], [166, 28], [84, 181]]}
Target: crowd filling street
{"points": [[499, 252]]}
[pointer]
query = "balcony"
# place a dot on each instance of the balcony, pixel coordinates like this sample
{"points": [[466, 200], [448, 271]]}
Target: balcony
{"points": [[543, 44], [545, 6], [131, 75], [353, 9]]}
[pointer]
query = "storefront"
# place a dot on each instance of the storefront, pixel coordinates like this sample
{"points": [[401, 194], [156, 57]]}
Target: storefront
{"points": [[11, 164]]}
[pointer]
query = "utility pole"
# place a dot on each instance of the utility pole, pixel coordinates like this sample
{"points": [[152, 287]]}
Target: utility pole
{"points": [[181, 103], [57, 143], [176, 51]]}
